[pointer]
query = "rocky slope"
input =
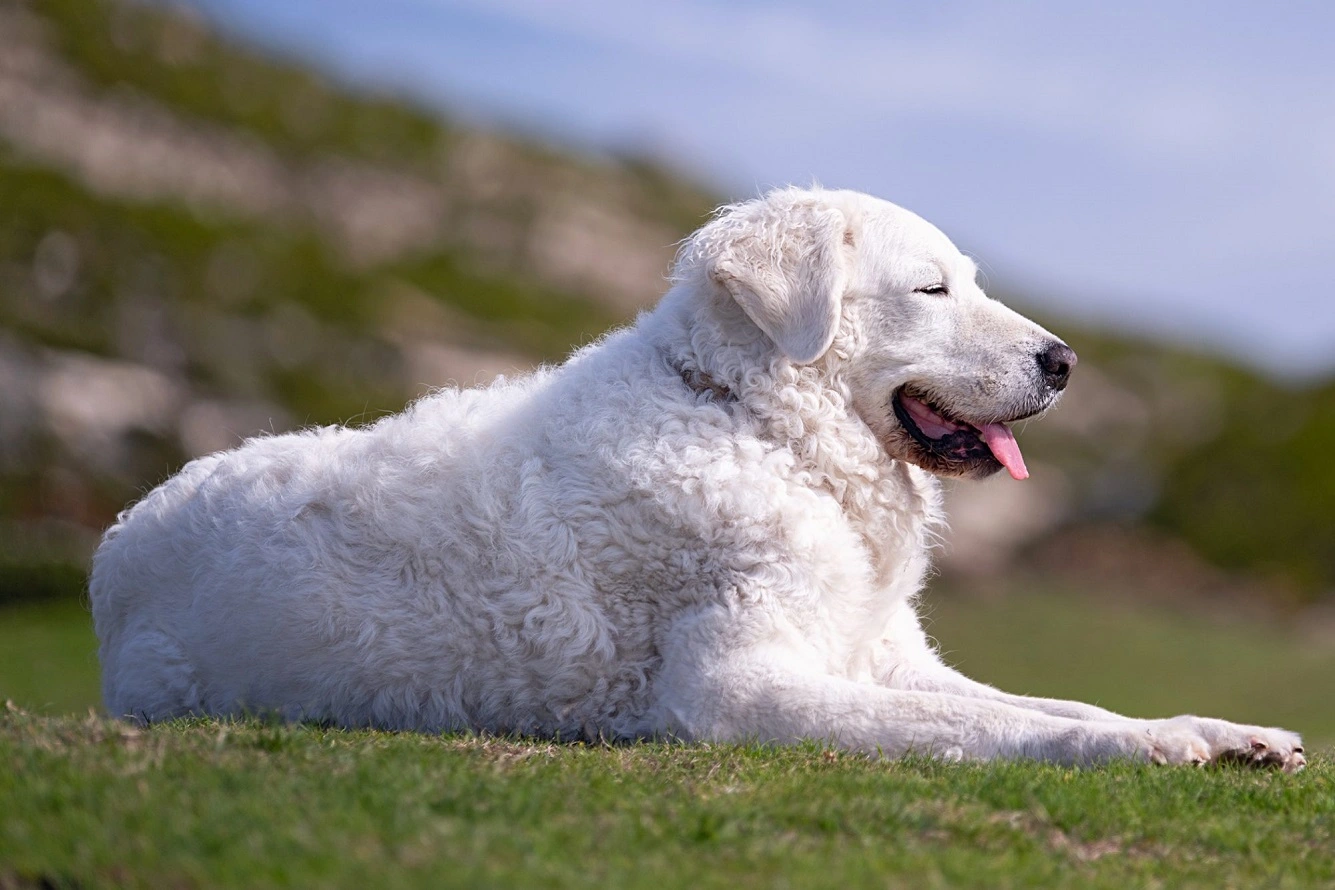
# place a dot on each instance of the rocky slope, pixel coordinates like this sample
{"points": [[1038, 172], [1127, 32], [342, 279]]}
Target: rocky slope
{"points": [[199, 243]]}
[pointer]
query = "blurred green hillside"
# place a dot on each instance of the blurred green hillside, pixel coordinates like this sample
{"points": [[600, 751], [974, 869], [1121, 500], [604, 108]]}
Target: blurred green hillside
{"points": [[198, 243]]}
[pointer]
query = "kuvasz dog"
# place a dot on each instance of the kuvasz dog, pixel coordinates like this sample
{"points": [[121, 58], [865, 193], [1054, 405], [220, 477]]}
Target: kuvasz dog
{"points": [[710, 525]]}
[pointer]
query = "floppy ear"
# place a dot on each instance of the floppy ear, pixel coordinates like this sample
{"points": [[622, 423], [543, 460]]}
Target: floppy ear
{"points": [[783, 266]]}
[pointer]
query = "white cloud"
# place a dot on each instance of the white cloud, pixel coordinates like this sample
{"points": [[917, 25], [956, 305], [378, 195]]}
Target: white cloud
{"points": [[1006, 69]]}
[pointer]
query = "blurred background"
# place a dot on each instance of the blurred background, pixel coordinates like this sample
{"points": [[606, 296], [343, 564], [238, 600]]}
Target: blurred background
{"points": [[240, 216]]}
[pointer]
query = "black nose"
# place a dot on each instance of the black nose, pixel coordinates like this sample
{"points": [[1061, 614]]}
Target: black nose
{"points": [[1056, 363]]}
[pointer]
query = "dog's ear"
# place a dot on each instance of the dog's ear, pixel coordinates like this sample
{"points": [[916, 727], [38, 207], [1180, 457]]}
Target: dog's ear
{"points": [[783, 265]]}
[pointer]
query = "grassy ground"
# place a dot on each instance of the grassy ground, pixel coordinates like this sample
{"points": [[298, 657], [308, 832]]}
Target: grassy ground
{"points": [[87, 802]]}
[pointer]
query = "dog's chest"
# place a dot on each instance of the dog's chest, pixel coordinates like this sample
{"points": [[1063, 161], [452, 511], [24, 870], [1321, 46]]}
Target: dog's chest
{"points": [[870, 558]]}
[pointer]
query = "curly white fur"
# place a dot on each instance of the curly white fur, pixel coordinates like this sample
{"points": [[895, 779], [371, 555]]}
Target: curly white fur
{"points": [[601, 549]]}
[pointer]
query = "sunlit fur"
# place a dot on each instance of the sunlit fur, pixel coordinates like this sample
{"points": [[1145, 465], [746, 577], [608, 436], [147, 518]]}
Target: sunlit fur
{"points": [[599, 549]]}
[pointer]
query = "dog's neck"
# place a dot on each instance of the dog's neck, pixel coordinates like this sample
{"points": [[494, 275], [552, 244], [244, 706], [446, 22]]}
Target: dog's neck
{"points": [[807, 411]]}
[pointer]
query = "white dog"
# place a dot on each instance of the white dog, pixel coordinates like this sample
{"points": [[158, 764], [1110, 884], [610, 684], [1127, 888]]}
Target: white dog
{"points": [[710, 525]]}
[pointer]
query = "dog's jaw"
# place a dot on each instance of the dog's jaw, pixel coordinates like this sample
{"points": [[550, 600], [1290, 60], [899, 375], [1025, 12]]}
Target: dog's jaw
{"points": [[914, 430]]}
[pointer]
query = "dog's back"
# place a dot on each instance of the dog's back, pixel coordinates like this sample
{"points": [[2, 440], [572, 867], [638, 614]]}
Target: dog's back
{"points": [[303, 549], [418, 573]]}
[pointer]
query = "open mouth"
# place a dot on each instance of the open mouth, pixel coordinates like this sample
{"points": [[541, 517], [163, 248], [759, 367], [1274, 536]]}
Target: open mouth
{"points": [[984, 448]]}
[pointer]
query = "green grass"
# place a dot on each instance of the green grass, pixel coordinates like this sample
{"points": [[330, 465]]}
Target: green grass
{"points": [[84, 801], [87, 802]]}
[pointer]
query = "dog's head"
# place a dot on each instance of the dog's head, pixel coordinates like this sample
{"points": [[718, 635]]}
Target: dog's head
{"points": [[934, 367]]}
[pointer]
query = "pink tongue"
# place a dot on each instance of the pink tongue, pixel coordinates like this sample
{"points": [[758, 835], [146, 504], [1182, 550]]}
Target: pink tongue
{"points": [[1004, 448]]}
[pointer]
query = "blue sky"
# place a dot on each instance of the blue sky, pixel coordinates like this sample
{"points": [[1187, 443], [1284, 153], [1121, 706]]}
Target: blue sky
{"points": [[1165, 167]]}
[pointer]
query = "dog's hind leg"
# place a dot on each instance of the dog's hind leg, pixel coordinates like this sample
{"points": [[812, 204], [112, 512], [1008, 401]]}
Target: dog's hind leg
{"points": [[149, 678]]}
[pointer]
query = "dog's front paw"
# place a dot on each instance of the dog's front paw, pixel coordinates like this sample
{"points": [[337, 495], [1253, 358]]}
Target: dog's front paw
{"points": [[1169, 743], [1254, 746]]}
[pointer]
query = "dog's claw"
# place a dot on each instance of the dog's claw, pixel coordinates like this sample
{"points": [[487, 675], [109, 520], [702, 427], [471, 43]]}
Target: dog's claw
{"points": [[1232, 745], [1262, 756]]}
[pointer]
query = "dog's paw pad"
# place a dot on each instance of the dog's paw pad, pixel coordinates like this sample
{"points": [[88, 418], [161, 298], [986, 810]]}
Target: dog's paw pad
{"points": [[1260, 754]]}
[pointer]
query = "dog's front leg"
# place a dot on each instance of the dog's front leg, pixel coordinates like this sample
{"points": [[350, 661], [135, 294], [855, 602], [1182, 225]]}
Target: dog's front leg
{"points": [[907, 661], [765, 701], [945, 679]]}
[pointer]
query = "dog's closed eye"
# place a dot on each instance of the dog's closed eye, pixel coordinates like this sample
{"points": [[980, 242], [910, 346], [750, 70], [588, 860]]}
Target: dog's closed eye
{"points": [[935, 290]]}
